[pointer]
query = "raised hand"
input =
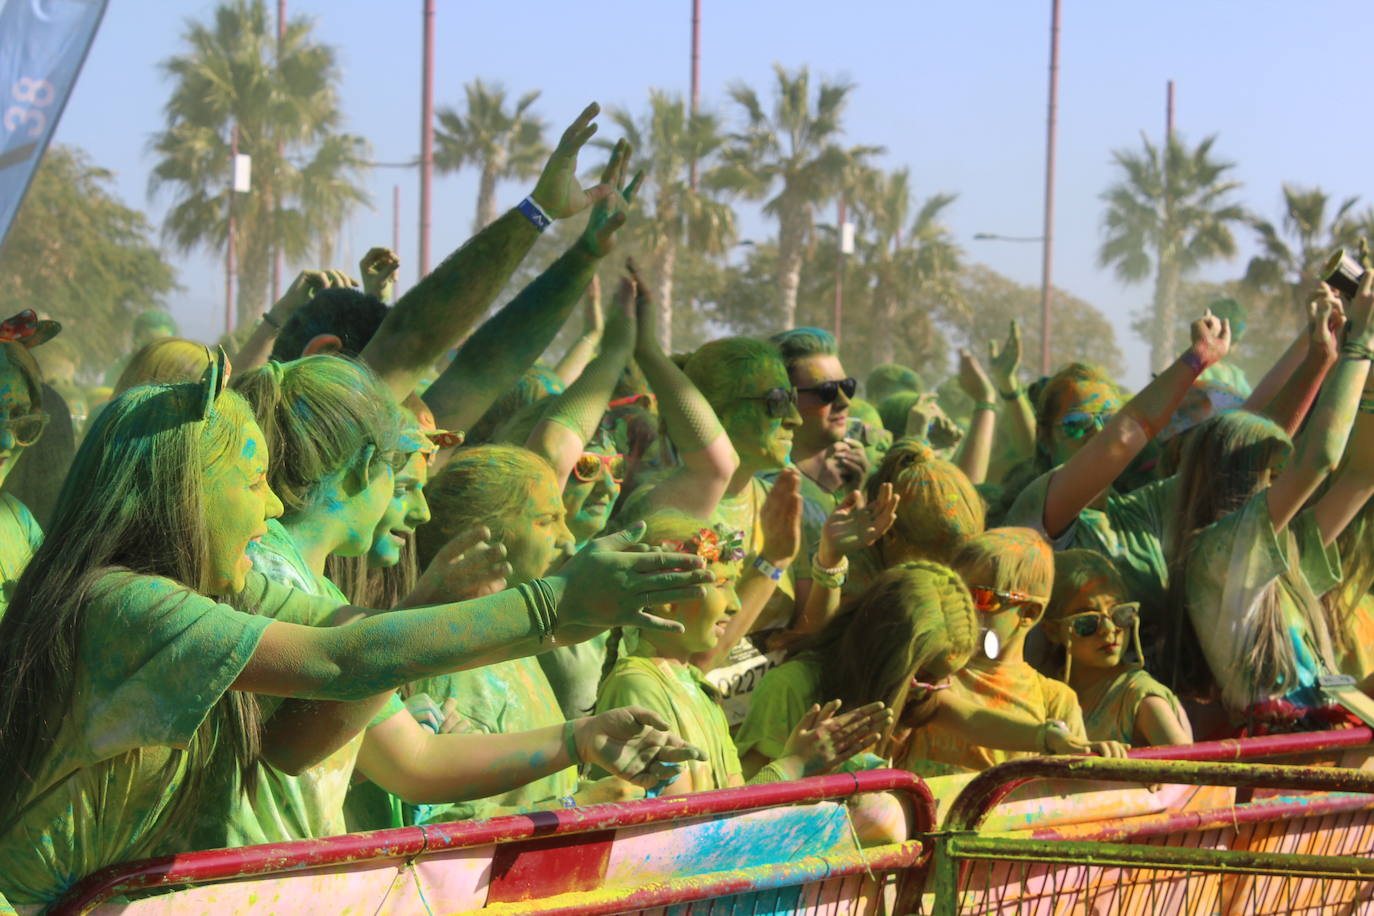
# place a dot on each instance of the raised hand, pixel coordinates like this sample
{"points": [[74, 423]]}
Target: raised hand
{"points": [[944, 432], [306, 284], [378, 268], [1004, 364], [1325, 321], [823, 740], [620, 331], [646, 310], [1211, 338], [781, 517], [856, 524], [468, 566], [613, 579], [850, 461], [1360, 314], [973, 379], [633, 743], [610, 211], [922, 413], [558, 191]]}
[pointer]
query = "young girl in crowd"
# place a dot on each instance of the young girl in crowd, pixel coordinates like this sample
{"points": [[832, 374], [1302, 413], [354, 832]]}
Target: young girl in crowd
{"points": [[658, 674], [1096, 628], [1254, 550], [126, 680], [22, 420]]}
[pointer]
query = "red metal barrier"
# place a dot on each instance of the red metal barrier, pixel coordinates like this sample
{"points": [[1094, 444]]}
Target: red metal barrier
{"points": [[409, 842]]}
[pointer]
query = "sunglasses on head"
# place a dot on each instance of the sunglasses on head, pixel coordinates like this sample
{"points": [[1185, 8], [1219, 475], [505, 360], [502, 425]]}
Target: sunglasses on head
{"points": [[1087, 623], [25, 429], [779, 401], [1078, 423], [827, 392], [988, 600], [589, 465]]}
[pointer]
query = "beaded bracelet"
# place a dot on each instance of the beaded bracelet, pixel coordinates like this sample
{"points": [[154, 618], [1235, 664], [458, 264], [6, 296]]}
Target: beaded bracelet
{"points": [[833, 577]]}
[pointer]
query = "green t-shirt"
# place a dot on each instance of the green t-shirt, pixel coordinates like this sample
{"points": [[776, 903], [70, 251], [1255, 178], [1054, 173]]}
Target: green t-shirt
{"points": [[509, 696], [1227, 373], [782, 698], [1233, 562], [20, 536], [680, 695], [1130, 532], [574, 673], [282, 807], [1112, 717], [153, 659]]}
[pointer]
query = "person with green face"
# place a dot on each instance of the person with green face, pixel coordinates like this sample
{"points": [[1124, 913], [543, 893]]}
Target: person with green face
{"points": [[127, 673], [22, 421]]}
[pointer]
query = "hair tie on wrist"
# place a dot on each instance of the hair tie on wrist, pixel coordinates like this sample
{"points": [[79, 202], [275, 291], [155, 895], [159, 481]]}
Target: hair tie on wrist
{"points": [[1357, 351]]}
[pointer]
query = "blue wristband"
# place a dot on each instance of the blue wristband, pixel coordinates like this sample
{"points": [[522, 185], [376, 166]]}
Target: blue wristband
{"points": [[768, 569], [534, 213]]}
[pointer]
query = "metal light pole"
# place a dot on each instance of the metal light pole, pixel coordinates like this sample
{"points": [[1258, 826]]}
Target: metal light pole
{"points": [[1046, 288], [281, 157], [426, 135], [696, 73], [229, 248], [396, 218]]}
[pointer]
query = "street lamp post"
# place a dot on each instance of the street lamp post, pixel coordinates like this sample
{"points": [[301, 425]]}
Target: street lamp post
{"points": [[1046, 289]]}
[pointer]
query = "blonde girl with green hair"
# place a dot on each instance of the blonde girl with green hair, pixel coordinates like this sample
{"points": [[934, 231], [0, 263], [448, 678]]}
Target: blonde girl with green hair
{"points": [[140, 638], [1094, 627]]}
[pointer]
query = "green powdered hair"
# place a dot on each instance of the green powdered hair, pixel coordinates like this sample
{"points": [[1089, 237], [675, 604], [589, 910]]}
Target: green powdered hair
{"points": [[800, 343], [893, 411], [721, 369], [1051, 400], [939, 509], [316, 415], [164, 361], [912, 618], [479, 486], [889, 379]]}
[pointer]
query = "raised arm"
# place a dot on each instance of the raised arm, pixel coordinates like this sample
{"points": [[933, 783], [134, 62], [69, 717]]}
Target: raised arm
{"points": [[708, 460], [977, 447], [446, 304], [258, 346], [1091, 471], [571, 421], [494, 358], [584, 348], [1318, 450]]}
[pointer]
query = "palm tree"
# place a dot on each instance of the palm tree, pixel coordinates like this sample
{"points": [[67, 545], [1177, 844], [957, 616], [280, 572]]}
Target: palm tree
{"points": [[668, 140], [501, 143], [795, 151], [912, 267], [1170, 214], [1287, 267], [284, 104]]}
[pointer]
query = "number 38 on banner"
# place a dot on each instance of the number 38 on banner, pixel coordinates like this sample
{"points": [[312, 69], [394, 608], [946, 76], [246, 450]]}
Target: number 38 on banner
{"points": [[33, 96]]}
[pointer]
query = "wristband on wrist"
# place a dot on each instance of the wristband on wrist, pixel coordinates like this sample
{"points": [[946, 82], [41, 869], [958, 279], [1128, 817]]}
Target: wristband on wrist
{"points": [[768, 569], [570, 742], [568, 801], [1013, 394], [833, 577], [1356, 351], [271, 322], [534, 213], [984, 405], [1194, 362], [539, 600]]}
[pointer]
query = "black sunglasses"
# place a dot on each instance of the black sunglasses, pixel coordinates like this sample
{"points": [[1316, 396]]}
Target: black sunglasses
{"points": [[827, 392], [779, 401], [1087, 623]]}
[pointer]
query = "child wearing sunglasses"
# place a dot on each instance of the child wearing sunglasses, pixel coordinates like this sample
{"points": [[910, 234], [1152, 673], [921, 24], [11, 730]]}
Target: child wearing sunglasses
{"points": [[1097, 631], [1009, 573]]}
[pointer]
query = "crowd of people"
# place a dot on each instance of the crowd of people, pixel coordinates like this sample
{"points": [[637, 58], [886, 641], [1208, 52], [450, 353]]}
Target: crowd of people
{"points": [[346, 578]]}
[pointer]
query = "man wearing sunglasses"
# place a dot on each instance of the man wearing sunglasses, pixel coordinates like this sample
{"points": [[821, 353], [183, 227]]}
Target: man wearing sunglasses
{"points": [[828, 460]]}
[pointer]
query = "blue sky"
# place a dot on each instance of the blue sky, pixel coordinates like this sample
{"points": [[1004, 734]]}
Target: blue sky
{"points": [[954, 90]]}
